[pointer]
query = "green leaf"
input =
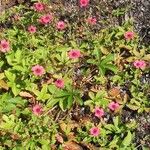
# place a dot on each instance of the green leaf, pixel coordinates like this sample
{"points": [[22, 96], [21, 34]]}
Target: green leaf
{"points": [[52, 102], [113, 143], [63, 104], [15, 90], [104, 50], [2, 76], [52, 88], [109, 58], [70, 101], [102, 70], [10, 76], [18, 56], [147, 57], [116, 121], [43, 95], [91, 95], [19, 68], [127, 140], [110, 127], [62, 94], [111, 67], [88, 102], [79, 100], [133, 106], [1, 63]]}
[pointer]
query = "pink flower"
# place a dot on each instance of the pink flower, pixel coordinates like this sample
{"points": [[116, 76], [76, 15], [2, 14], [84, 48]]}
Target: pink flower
{"points": [[139, 64], [37, 109], [38, 70], [59, 83], [113, 106], [91, 20], [129, 35], [99, 112], [4, 46], [73, 54], [83, 3], [45, 19], [94, 131], [61, 25], [39, 6], [32, 29]]}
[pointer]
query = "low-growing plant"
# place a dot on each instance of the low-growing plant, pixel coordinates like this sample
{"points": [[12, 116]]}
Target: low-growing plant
{"points": [[71, 78]]}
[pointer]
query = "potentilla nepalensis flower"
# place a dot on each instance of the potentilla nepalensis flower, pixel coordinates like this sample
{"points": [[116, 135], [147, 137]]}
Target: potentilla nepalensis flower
{"points": [[59, 83], [38, 70], [129, 35], [92, 20], [73, 54], [32, 29], [113, 106], [83, 3], [95, 131], [139, 64], [39, 6], [45, 19], [37, 109], [4, 46], [99, 112], [61, 25]]}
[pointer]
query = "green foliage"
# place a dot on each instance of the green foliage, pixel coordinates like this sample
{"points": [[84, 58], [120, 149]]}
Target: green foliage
{"points": [[105, 63]]}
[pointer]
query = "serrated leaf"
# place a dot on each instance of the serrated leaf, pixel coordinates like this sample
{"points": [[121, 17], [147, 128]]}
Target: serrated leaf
{"points": [[137, 54], [63, 104], [133, 107], [11, 77], [130, 59], [104, 50], [25, 94], [79, 100], [15, 90], [3, 85], [142, 52], [116, 121], [91, 95], [114, 92], [111, 67], [2, 75], [146, 57], [110, 127], [127, 140], [88, 102], [109, 58], [52, 102], [18, 55], [70, 101]]}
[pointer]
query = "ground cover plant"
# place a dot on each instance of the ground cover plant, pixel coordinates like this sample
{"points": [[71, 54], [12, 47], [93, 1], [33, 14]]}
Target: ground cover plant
{"points": [[71, 79]]}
